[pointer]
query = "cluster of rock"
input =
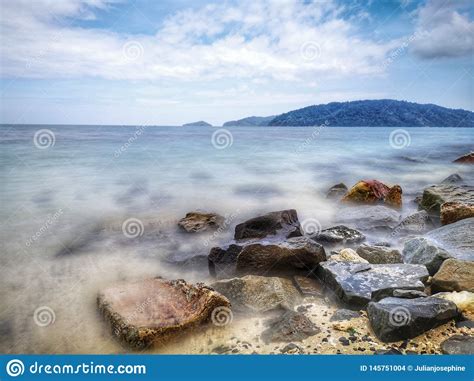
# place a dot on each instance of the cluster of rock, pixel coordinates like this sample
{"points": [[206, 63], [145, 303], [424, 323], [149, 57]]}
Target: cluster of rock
{"points": [[272, 265]]}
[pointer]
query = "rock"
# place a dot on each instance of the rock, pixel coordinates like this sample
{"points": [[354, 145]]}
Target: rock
{"points": [[339, 235], [455, 211], [379, 254], [359, 283], [374, 192], [347, 255], [291, 348], [344, 314], [369, 217], [299, 254], [453, 179], [308, 286], [408, 294], [291, 326], [222, 261], [391, 351], [394, 319], [464, 300], [436, 195], [337, 191], [152, 311], [284, 222], [454, 275], [421, 251], [456, 238], [458, 345], [416, 223], [465, 324], [198, 222], [258, 294], [465, 159]]}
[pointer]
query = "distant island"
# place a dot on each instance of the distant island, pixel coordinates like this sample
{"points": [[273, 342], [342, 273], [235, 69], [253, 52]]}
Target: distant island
{"points": [[367, 113], [200, 123]]}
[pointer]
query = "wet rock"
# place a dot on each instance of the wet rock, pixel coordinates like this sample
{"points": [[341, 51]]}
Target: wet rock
{"points": [[358, 283], [337, 191], [347, 255], [152, 311], [374, 192], [416, 223], [394, 319], [454, 275], [465, 159], [369, 217], [291, 326], [408, 294], [436, 195], [456, 238], [339, 235], [453, 179], [458, 345], [344, 314], [258, 294], [284, 222], [308, 286], [379, 254], [423, 252], [455, 211], [198, 222], [222, 261], [464, 300]]}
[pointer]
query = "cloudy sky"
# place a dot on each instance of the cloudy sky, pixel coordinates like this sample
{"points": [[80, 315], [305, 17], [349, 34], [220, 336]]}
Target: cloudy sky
{"points": [[173, 61]]}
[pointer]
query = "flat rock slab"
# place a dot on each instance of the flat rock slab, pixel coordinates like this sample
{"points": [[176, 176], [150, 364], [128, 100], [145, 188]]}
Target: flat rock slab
{"points": [[416, 223], [458, 345], [394, 319], [456, 238], [291, 326], [357, 283], [454, 275], [258, 294], [152, 311], [379, 254], [199, 221], [376, 217]]}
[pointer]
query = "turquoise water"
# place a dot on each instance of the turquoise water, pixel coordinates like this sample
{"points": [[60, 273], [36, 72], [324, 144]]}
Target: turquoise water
{"points": [[55, 197]]}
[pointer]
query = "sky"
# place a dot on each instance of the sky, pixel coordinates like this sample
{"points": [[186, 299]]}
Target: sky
{"points": [[170, 62]]}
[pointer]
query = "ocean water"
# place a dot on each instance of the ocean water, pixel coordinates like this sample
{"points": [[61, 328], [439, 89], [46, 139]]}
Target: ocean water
{"points": [[85, 206]]}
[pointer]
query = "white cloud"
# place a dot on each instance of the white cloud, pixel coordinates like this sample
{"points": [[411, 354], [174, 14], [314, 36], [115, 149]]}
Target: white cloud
{"points": [[253, 40], [446, 31]]}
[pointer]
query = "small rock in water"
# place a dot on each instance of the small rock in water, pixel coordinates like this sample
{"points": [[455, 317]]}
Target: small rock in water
{"points": [[291, 326], [337, 191], [455, 211], [423, 252], [466, 159], [372, 192], [198, 222], [458, 345], [379, 254], [453, 179], [344, 314], [454, 275]]}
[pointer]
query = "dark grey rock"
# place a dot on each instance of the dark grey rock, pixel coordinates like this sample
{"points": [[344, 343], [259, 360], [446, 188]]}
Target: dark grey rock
{"points": [[222, 261], [339, 234], [357, 284], [379, 254], [416, 223], [284, 222], [364, 217], [408, 294], [337, 191], [423, 252], [391, 351], [453, 179], [291, 326], [291, 348], [394, 319], [465, 324], [344, 314], [458, 345]]}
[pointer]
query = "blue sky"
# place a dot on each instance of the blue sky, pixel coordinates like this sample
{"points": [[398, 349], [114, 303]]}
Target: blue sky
{"points": [[172, 62]]}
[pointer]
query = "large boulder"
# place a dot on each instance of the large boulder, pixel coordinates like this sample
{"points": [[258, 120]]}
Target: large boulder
{"points": [[456, 238], [394, 319], [379, 254], [416, 223], [337, 191], [454, 211], [454, 275], [436, 195], [291, 326], [458, 345], [374, 192], [423, 252], [364, 217], [258, 294], [152, 311], [284, 222], [358, 283], [466, 159], [294, 255], [339, 235], [198, 222]]}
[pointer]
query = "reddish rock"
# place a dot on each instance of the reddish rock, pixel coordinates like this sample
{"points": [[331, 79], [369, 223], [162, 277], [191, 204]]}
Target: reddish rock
{"points": [[455, 211], [374, 192], [466, 159]]}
